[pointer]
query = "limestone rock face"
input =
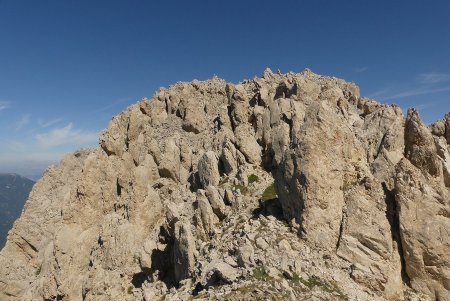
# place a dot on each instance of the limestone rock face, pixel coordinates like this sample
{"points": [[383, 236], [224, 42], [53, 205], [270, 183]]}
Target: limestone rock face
{"points": [[424, 210], [208, 169], [284, 187], [420, 148], [183, 255]]}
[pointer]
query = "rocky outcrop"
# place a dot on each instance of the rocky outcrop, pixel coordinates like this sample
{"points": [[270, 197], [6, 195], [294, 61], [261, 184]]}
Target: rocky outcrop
{"points": [[288, 186], [424, 209], [424, 212], [208, 169]]}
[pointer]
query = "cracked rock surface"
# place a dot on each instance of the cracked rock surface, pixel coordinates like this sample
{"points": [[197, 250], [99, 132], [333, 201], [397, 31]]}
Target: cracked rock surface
{"points": [[284, 187]]}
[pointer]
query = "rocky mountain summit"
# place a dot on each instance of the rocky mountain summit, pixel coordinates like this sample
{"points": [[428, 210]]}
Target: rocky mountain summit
{"points": [[285, 187]]}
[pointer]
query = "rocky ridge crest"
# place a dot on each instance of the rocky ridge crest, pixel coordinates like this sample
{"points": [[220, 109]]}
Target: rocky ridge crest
{"points": [[287, 186]]}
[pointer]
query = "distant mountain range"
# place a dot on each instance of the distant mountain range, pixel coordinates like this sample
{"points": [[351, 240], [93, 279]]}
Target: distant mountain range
{"points": [[14, 191]]}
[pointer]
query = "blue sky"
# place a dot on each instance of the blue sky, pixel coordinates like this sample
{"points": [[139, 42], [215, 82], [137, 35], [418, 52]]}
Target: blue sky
{"points": [[67, 67]]}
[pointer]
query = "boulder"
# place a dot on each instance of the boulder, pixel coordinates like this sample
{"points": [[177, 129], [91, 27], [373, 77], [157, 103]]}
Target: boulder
{"points": [[208, 169]]}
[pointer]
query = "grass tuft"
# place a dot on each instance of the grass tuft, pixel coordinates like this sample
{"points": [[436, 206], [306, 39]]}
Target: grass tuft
{"points": [[253, 178], [324, 286], [270, 193], [260, 273], [296, 277], [224, 180], [242, 189]]}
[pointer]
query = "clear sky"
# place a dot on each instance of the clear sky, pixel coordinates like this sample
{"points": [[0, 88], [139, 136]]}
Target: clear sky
{"points": [[67, 67]]}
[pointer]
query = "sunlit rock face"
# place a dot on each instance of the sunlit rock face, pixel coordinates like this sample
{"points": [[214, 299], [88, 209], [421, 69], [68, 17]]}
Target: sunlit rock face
{"points": [[287, 187]]}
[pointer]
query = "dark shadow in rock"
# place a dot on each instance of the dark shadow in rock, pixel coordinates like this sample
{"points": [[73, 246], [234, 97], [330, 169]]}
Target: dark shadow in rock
{"points": [[290, 123], [217, 279], [198, 288], [282, 91], [254, 101], [162, 264], [194, 182], [217, 124], [269, 208], [267, 156], [118, 188], [221, 167], [230, 115], [294, 90], [162, 259], [138, 279], [392, 216]]}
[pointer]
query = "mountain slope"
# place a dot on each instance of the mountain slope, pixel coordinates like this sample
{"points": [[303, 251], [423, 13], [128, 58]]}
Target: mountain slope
{"points": [[14, 191], [285, 187]]}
